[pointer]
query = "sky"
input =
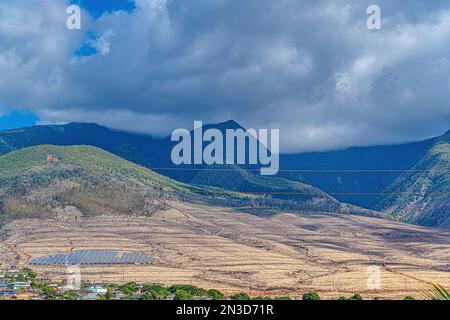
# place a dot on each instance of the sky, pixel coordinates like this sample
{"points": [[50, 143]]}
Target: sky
{"points": [[311, 68]]}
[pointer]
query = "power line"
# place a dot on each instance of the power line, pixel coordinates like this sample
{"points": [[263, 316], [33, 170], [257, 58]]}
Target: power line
{"points": [[302, 170]]}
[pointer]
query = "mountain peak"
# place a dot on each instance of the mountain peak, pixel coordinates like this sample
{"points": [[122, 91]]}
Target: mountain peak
{"points": [[230, 124], [445, 137]]}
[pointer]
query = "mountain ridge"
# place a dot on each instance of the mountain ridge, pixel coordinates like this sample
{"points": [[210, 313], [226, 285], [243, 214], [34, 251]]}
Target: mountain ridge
{"points": [[358, 176], [42, 180]]}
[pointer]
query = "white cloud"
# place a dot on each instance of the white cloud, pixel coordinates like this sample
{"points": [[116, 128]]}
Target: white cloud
{"points": [[309, 67]]}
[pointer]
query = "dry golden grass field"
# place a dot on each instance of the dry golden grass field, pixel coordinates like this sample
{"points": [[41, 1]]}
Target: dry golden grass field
{"points": [[222, 248]]}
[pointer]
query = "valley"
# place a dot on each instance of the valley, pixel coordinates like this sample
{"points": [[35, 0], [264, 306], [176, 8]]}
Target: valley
{"points": [[216, 247], [223, 227]]}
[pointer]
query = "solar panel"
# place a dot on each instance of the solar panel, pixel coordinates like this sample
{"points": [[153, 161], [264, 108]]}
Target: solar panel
{"points": [[100, 257], [95, 257], [90, 257], [125, 257], [109, 257], [61, 258]]}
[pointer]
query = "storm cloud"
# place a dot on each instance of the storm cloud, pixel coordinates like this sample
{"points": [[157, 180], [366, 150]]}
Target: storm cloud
{"points": [[308, 67]]}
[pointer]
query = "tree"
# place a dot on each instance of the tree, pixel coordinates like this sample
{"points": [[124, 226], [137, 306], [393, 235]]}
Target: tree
{"points": [[146, 296], [215, 294], [311, 296], [156, 291], [128, 288], [240, 296], [108, 294], [181, 294], [192, 290], [70, 296], [356, 297]]}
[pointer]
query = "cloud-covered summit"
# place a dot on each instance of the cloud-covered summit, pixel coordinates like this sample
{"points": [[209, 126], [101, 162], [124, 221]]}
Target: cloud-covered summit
{"points": [[308, 67]]}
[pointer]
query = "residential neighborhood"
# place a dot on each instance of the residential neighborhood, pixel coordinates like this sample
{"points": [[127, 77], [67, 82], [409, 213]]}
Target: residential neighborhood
{"points": [[26, 284]]}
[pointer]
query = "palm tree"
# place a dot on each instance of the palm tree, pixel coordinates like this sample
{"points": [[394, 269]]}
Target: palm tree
{"points": [[436, 292]]}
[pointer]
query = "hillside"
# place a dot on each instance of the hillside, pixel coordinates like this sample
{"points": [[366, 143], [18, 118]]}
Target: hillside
{"points": [[83, 177], [223, 248], [354, 175], [140, 149], [92, 181], [344, 174], [236, 178], [155, 154], [363, 176], [421, 195]]}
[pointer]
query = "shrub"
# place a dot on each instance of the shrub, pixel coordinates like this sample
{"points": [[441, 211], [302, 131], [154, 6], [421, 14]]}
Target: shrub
{"points": [[408, 298], [311, 296], [156, 291], [181, 294], [260, 298], [437, 292], [215, 294], [146, 296], [108, 294], [355, 297], [283, 298], [128, 288], [70, 296], [240, 296], [192, 290]]}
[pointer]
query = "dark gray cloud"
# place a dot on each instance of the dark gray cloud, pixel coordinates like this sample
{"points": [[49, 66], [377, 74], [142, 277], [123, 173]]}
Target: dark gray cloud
{"points": [[308, 67]]}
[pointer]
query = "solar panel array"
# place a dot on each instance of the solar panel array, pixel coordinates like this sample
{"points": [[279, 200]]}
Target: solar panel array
{"points": [[94, 258]]}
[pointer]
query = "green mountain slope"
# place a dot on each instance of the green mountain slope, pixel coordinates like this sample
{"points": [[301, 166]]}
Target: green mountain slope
{"points": [[354, 175], [155, 153], [95, 182], [276, 192], [91, 181], [422, 194], [235, 178], [348, 175]]}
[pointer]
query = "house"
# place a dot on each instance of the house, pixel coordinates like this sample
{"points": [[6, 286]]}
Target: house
{"points": [[51, 158], [92, 296], [21, 285], [12, 272], [97, 289], [5, 285]]}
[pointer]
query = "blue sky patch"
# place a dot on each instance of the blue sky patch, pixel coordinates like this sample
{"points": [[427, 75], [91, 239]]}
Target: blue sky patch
{"points": [[17, 119], [98, 7], [88, 49]]}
